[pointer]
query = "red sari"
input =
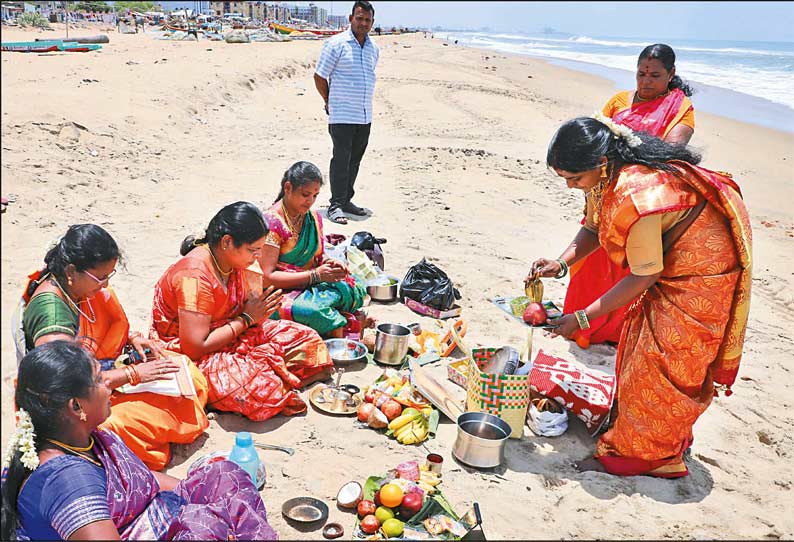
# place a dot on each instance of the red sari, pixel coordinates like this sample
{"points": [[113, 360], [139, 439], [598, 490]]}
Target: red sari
{"points": [[596, 275], [258, 374], [685, 333]]}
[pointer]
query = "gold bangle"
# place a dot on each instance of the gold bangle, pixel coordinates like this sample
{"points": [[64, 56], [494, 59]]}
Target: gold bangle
{"points": [[581, 319]]}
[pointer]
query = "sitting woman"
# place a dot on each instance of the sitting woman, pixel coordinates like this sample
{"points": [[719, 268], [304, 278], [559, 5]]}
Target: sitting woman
{"points": [[293, 258], [66, 479], [684, 234], [204, 308], [71, 299]]}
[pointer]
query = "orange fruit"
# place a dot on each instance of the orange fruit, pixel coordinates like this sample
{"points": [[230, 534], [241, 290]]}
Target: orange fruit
{"points": [[582, 341], [391, 495]]}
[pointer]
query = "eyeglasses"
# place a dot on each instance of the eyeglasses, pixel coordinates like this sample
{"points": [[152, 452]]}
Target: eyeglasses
{"points": [[105, 280]]}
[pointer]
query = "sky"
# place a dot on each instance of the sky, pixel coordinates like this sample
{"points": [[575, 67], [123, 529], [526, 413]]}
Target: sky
{"points": [[731, 21]]}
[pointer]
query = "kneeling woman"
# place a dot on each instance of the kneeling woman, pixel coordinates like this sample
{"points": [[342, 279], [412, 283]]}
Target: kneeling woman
{"points": [[205, 309], [684, 233], [293, 258], [69, 480], [70, 299]]}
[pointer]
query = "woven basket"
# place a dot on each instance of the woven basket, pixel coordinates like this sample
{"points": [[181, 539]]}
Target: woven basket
{"points": [[506, 396]]}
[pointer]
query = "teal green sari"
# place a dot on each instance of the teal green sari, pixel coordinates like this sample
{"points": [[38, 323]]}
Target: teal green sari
{"points": [[317, 306]]}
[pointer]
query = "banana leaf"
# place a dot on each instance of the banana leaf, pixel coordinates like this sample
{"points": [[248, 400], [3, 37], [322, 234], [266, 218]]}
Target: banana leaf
{"points": [[434, 504]]}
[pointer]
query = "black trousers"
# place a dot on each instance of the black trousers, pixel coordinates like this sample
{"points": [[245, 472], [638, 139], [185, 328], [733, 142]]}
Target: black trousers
{"points": [[350, 142]]}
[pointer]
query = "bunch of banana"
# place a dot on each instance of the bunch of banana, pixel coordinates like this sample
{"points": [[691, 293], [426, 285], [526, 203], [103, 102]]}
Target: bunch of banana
{"points": [[410, 428], [428, 481], [534, 290]]}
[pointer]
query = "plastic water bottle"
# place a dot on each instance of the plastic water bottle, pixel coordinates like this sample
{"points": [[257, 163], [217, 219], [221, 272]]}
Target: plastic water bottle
{"points": [[244, 454]]}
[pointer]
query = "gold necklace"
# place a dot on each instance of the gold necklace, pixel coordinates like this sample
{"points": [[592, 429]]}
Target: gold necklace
{"points": [[217, 265], [287, 219], [76, 450], [637, 97], [73, 448], [91, 318]]}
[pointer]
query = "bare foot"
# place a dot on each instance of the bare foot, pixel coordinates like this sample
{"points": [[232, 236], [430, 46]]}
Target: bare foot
{"points": [[589, 464]]}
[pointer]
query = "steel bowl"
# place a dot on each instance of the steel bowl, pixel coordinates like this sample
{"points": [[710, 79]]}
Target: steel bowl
{"points": [[344, 351], [386, 292], [481, 439]]}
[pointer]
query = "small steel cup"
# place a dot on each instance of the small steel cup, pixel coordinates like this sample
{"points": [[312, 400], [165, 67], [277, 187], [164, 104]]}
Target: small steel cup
{"points": [[340, 398]]}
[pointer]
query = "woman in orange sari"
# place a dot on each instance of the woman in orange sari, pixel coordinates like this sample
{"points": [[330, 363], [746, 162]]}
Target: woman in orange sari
{"points": [[205, 308], [683, 233], [660, 107], [71, 299]]}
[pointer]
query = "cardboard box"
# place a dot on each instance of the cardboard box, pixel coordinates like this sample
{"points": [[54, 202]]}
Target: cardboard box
{"points": [[424, 310], [458, 372]]}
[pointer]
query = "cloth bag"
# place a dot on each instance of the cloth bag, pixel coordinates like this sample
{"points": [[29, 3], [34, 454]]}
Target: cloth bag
{"points": [[505, 396], [429, 285]]}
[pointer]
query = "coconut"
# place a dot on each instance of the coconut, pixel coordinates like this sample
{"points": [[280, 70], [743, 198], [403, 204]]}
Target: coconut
{"points": [[377, 419], [349, 495]]}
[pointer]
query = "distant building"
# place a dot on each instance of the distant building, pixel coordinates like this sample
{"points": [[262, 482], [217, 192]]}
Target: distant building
{"points": [[11, 10], [338, 21], [311, 13]]}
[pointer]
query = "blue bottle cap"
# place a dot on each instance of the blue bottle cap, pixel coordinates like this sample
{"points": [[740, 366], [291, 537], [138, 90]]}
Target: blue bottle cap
{"points": [[243, 439]]}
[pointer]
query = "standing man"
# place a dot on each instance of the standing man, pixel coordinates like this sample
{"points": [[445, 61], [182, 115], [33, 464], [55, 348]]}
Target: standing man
{"points": [[345, 78]]}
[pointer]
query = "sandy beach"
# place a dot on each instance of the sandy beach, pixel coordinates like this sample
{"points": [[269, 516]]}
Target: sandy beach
{"points": [[150, 138]]}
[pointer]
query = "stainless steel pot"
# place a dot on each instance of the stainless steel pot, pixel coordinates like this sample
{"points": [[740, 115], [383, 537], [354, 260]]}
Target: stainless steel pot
{"points": [[391, 343], [481, 439], [385, 292]]}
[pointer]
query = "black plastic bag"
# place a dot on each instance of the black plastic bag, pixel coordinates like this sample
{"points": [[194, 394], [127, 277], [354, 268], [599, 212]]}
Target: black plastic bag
{"points": [[429, 285], [370, 245]]}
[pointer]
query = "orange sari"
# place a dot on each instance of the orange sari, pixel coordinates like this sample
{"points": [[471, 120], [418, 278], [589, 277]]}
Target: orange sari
{"points": [[147, 422], [257, 375], [596, 275], [685, 333]]}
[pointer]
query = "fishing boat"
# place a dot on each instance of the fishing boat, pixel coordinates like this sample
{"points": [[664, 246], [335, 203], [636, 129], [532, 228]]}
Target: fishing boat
{"points": [[282, 29], [48, 46]]}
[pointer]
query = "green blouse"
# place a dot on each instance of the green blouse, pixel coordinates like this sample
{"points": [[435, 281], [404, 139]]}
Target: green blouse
{"points": [[47, 313]]}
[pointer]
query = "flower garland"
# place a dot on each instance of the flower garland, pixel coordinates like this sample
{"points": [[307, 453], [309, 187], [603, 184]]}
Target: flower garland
{"points": [[24, 440], [620, 131]]}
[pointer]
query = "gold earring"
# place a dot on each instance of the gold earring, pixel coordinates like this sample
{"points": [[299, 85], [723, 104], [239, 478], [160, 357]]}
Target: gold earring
{"points": [[83, 417], [604, 171], [69, 281]]}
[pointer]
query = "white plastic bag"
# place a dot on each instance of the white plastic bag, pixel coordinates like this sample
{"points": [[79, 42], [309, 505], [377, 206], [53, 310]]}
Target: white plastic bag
{"points": [[361, 266], [546, 423], [337, 252]]}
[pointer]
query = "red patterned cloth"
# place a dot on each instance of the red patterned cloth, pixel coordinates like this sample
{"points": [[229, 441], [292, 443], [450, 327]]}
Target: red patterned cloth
{"points": [[586, 392]]}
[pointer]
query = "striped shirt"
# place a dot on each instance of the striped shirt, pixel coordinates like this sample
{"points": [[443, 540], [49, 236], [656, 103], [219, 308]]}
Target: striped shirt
{"points": [[349, 69]]}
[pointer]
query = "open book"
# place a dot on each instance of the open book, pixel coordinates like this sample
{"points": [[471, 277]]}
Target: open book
{"points": [[179, 385]]}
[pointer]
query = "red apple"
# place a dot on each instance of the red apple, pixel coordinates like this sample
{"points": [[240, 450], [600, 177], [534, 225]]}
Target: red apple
{"points": [[535, 314], [412, 503], [376, 498], [369, 397], [370, 524], [366, 508]]}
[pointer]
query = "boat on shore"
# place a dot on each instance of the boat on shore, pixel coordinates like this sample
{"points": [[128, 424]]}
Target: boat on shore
{"points": [[287, 30], [48, 46]]}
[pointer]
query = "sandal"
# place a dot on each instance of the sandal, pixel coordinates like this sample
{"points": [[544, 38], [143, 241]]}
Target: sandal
{"points": [[336, 215]]}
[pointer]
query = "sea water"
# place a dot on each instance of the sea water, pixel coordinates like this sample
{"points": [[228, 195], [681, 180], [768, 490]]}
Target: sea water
{"points": [[748, 81]]}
